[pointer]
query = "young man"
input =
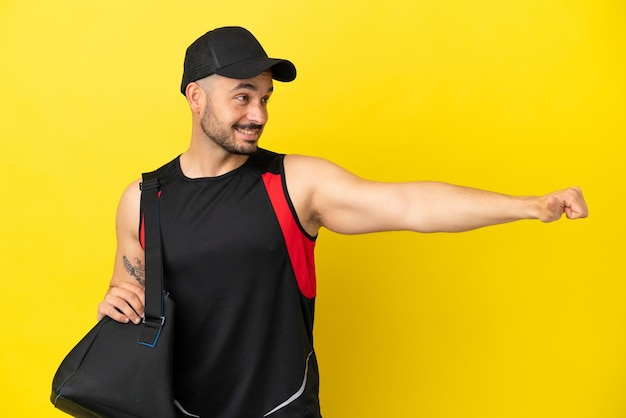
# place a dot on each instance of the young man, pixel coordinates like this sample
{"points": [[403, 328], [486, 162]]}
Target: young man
{"points": [[239, 226]]}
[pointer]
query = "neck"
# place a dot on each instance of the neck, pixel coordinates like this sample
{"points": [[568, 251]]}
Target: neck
{"points": [[199, 162]]}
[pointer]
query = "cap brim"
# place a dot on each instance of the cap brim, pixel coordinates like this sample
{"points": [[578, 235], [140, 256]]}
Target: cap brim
{"points": [[282, 70]]}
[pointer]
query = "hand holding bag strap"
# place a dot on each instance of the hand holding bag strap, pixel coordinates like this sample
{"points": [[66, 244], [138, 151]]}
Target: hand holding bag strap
{"points": [[154, 308]]}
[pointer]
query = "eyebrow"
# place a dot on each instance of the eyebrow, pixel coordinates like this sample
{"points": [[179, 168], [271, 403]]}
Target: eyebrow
{"points": [[249, 86]]}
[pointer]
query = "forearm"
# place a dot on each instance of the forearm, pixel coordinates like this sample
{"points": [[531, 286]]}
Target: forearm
{"points": [[448, 208], [442, 207]]}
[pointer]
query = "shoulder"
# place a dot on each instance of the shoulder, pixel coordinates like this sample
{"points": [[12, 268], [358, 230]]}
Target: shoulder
{"points": [[133, 190], [127, 216], [307, 162], [169, 171], [301, 170], [317, 185], [263, 161], [314, 171], [131, 197]]}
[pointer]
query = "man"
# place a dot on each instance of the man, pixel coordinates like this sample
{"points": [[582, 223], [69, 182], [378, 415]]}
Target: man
{"points": [[239, 226]]}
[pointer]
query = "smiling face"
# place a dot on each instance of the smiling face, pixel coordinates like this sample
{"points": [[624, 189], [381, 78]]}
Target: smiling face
{"points": [[236, 111]]}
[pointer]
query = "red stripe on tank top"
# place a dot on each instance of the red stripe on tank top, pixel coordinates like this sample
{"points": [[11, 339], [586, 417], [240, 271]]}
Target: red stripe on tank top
{"points": [[299, 246]]}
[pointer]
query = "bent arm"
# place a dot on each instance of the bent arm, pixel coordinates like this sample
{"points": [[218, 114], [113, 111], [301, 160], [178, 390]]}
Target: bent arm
{"points": [[344, 203], [124, 300]]}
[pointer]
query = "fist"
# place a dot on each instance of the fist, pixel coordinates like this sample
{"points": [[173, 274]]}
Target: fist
{"points": [[567, 201]]}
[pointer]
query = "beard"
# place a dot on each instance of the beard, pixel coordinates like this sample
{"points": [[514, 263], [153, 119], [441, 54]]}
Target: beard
{"points": [[222, 135]]}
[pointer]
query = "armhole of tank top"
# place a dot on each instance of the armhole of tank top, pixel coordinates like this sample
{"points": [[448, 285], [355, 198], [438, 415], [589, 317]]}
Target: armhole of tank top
{"points": [[300, 245], [142, 234], [292, 209]]}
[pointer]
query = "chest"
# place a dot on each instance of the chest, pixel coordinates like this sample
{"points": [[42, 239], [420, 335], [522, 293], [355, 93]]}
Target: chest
{"points": [[218, 223]]}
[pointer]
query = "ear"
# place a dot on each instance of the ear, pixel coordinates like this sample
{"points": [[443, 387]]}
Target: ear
{"points": [[196, 97]]}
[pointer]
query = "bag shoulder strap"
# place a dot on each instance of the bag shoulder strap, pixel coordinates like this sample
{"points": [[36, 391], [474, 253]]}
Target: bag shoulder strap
{"points": [[154, 307]]}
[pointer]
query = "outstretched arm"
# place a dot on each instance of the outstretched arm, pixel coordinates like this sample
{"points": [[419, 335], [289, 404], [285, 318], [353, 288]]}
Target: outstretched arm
{"points": [[325, 194]]}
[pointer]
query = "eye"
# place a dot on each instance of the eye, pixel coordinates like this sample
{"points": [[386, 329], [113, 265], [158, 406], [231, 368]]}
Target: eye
{"points": [[265, 100], [242, 98]]}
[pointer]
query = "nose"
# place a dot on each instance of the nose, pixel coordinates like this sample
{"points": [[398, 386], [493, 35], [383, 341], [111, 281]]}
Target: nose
{"points": [[257, 113]]}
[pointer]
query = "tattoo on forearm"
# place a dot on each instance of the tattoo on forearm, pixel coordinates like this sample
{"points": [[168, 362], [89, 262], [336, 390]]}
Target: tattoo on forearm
{"points": [[138, 271]]}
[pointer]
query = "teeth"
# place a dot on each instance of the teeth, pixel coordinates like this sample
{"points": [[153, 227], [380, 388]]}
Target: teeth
{"points": [[248, 131]]}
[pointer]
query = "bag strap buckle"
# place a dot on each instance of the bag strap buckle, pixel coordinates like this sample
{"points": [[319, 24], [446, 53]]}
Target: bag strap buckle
{"points": [[150, 322]]}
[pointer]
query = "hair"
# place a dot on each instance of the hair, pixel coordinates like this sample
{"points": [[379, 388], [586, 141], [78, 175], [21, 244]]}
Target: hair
{"points": [[206, 83]]}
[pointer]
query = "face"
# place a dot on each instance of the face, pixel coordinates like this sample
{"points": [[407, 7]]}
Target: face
{"points": [[236, 111]]}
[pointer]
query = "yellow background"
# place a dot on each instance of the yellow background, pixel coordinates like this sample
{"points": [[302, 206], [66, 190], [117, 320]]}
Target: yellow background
{"points": [[519, 96]]}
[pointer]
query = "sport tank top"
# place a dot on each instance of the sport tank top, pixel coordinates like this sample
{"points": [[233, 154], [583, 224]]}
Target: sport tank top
{"points": [[239, 268]]}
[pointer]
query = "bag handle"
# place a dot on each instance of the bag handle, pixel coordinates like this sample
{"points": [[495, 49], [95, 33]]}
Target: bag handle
{"points": [[154, 307]]}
